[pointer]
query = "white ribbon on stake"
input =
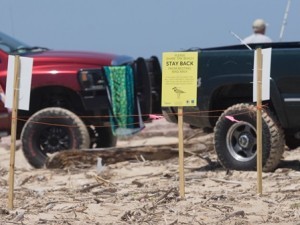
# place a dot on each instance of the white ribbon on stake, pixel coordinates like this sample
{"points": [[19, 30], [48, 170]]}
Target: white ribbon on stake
{"points": [[17, 96], [258, 54]]}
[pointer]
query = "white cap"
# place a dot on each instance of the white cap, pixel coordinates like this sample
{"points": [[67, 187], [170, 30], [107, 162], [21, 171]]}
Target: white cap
{"points": [[259, 24]]}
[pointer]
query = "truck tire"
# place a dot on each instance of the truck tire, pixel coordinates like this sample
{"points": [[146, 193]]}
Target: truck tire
{"points": [[52, 130], [235, 138], [103, 137]]}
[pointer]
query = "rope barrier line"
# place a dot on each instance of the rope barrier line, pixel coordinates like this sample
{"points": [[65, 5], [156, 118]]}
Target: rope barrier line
{"points": [[63, 125], [108, 116], [52, 124], [157, 115]]}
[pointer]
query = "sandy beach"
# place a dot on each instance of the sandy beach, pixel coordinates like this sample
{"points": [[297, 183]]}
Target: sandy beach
{"points": [[147, 192]]}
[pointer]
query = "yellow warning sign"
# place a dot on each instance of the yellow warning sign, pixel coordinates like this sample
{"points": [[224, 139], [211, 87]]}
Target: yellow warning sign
{"points": [[179, 78]]}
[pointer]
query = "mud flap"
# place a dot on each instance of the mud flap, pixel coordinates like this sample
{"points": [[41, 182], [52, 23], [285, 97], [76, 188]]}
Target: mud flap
{"points": [[142, 85], [155, 74], [147, 73]]}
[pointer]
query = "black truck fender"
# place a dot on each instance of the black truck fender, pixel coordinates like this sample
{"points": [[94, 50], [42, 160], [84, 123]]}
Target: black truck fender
{"points": [[278, 104]]}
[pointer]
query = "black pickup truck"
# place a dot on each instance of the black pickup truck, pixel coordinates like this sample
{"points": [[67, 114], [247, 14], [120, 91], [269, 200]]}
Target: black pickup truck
{"points": [[225, 103]]}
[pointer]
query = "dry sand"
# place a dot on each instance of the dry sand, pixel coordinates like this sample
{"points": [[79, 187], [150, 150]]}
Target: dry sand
{"points": [[146, 192]]}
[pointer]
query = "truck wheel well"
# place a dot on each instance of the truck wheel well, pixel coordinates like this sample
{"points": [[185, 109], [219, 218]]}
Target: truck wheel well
{"points": [[52, 96], [227, 96], [55, 96]]}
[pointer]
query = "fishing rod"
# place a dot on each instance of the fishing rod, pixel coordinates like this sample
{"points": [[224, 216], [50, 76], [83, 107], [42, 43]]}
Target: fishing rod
{"points": [[235, 35], [284, 22]]}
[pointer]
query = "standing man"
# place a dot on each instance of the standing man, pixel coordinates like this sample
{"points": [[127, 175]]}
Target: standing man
{"points": [[259, 29]]}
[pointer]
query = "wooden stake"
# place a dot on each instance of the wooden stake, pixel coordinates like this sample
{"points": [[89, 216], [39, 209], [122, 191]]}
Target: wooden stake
{"points": [[259, 120], [181, 153], [14, 131]]}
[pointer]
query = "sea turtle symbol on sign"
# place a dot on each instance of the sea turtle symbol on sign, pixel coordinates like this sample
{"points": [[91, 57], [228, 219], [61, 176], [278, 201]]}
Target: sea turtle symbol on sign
{"points": [[178, 91]]}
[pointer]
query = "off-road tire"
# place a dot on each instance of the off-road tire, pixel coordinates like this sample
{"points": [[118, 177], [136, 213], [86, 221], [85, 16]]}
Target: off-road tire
{"points": [[52, 130], [235, 141]]}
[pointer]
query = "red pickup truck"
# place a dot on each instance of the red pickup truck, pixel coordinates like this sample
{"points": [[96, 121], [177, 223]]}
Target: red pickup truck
{"points": [[68, 101]]}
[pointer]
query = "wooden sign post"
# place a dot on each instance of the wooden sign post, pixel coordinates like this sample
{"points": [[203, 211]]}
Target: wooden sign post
{"points": [[259, 120], [181, 153], [18, 83], [14, 131], [261, 92], [179, 89]]}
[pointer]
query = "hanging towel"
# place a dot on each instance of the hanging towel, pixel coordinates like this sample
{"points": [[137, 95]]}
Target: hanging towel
{"points": [[125, 113]]}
